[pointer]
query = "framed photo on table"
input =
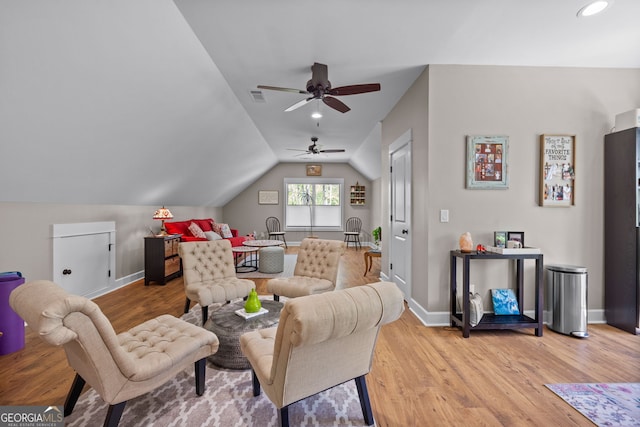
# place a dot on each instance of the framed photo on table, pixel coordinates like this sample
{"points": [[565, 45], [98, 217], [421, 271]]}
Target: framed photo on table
{"points": [[487, 167], [517, 236], [557, 170]]}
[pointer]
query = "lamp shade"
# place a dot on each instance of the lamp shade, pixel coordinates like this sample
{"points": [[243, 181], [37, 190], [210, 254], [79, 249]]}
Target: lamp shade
{"points": [[163, 213]]}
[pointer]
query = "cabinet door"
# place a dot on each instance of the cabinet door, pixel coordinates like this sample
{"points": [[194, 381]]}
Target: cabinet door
{"points": [[621, 237]]}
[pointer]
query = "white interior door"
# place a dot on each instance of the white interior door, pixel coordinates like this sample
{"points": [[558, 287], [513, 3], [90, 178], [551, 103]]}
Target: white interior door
{"points": [[83, 258], [85, 263], [400, 210]]}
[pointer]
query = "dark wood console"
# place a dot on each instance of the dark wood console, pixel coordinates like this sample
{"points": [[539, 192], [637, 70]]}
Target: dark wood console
{"points": [[489, 320], [161, 259]]}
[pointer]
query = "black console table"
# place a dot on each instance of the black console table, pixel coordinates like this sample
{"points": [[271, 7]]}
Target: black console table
{"points": [[489, 320]]}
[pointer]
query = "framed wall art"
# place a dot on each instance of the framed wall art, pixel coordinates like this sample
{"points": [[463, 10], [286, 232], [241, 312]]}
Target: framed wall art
{"points": [[314, 170], [557, 170], [487, 162], [268, 197]]}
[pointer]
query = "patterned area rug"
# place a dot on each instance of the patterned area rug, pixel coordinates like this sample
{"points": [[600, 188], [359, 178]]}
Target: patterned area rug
{"points": [[227, 401], [604, 404], [289, 266]]}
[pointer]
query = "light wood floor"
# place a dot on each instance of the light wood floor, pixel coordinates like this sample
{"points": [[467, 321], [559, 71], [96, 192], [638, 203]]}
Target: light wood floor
{"points": [[422, 376]]}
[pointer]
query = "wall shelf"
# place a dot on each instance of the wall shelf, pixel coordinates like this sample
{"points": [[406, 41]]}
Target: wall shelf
{"points": [[357, 195]]}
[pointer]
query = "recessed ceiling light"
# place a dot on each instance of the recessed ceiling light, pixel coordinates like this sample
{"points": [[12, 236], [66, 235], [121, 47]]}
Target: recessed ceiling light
{"points": [[316, 115], [594, 8]]}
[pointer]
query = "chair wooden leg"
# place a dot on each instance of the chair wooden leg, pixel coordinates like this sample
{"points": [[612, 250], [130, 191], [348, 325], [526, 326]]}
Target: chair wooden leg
{"points": [[255, 383], [200, 366], [205, 314], [283, 416], [114, 414], [74, 393], [285, 242], [361, 385], [186, 305]]}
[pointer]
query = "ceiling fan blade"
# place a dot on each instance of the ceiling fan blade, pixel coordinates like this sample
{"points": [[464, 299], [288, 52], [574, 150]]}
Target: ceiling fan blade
{"points": [[354, 89], [296, 149], [336, 104], [319, 75], [299, 104], [283, 89], [332, 150]]}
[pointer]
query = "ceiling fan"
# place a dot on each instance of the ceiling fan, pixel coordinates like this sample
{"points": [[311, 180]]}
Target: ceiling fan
{"points": [[315, 149], [320, 88]]}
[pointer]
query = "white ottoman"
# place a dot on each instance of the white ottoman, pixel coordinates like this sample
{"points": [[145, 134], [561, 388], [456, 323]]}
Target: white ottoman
{"points": [[271, 259]]}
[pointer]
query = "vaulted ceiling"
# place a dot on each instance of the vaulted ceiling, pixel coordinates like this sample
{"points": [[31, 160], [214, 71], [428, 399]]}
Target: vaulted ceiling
{"points": [[148, 101]]}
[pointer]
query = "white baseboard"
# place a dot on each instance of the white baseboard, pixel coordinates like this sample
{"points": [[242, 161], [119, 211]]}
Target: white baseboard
{"points": [[117, 284], [441, 318]]}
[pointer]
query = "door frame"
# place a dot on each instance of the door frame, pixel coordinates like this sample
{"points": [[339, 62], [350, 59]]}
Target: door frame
{"points": [[404, 140]]}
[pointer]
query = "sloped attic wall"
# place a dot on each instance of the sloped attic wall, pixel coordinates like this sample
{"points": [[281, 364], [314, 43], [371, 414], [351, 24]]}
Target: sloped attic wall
{"points": [[118, 103]]}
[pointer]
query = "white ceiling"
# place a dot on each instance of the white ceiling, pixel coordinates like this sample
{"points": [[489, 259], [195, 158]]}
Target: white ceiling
{"points": [[147, 101], [274, 43]]}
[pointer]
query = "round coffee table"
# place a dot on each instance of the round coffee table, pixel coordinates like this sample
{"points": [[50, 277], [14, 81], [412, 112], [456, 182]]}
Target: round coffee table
{"points": [[262, 243], [228, 327]]}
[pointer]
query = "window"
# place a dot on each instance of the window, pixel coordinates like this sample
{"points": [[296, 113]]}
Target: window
{"points": [[313, 204]]}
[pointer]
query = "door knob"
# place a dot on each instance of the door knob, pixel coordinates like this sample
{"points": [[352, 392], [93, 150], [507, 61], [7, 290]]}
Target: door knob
{"points": [[405, 231], [66, 271]]}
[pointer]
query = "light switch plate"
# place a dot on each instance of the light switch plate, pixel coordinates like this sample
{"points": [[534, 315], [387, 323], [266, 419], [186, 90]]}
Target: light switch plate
{"points": [[444, 215]]}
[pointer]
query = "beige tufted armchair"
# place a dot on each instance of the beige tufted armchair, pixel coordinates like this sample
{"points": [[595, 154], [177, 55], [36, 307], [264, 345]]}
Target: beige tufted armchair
{"points": [[316, 270], [119, 367], [209, 274], [321, 341]]}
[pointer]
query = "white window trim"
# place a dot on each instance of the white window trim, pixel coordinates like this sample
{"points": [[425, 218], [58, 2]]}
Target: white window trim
{"points": [[339, 181]]}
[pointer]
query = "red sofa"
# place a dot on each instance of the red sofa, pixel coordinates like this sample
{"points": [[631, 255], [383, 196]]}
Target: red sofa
{"points": [[182, 227]]}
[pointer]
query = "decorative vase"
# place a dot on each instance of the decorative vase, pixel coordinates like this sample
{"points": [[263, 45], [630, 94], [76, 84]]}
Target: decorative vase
{"points": [[252, 305]]}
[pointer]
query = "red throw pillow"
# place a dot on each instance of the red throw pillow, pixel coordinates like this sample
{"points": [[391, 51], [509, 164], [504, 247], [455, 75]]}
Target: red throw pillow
{"points": [[204, 224]]}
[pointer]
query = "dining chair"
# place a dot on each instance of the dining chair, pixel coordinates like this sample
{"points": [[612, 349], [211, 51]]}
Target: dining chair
{"points": [[352, 231], [274, 230]]}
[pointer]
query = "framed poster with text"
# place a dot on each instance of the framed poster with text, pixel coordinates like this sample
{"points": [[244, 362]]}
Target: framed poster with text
{"points": [[557, 170]]}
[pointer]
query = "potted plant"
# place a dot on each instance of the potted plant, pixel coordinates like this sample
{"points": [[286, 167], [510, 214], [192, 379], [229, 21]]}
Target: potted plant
{"points": [[377, 236]]}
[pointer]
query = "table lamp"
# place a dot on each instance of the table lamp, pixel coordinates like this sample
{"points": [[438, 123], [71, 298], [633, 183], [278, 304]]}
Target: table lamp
{"points": [[162, 214]]}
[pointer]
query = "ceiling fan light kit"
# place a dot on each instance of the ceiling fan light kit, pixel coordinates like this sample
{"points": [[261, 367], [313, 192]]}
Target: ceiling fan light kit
{"points": [[594, 8], [319, 87]]}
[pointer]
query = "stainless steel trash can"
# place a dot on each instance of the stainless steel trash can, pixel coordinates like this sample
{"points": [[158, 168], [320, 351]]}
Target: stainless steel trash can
{"points": [[567, 294]]}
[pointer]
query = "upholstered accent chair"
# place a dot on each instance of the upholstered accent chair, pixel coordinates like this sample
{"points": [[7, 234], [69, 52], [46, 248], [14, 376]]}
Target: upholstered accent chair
{"points": [[274, 230], [316, 270], [321, 341], [352, 229], [209, 274], [119, 367]]}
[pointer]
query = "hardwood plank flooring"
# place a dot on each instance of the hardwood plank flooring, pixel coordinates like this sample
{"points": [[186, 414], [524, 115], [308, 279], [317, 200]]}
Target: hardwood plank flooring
{"points": [[427, 376]]}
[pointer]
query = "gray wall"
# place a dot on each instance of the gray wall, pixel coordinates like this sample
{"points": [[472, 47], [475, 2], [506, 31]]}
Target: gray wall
{"points": [[26, 233], [245, 213], [449, 102]]}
